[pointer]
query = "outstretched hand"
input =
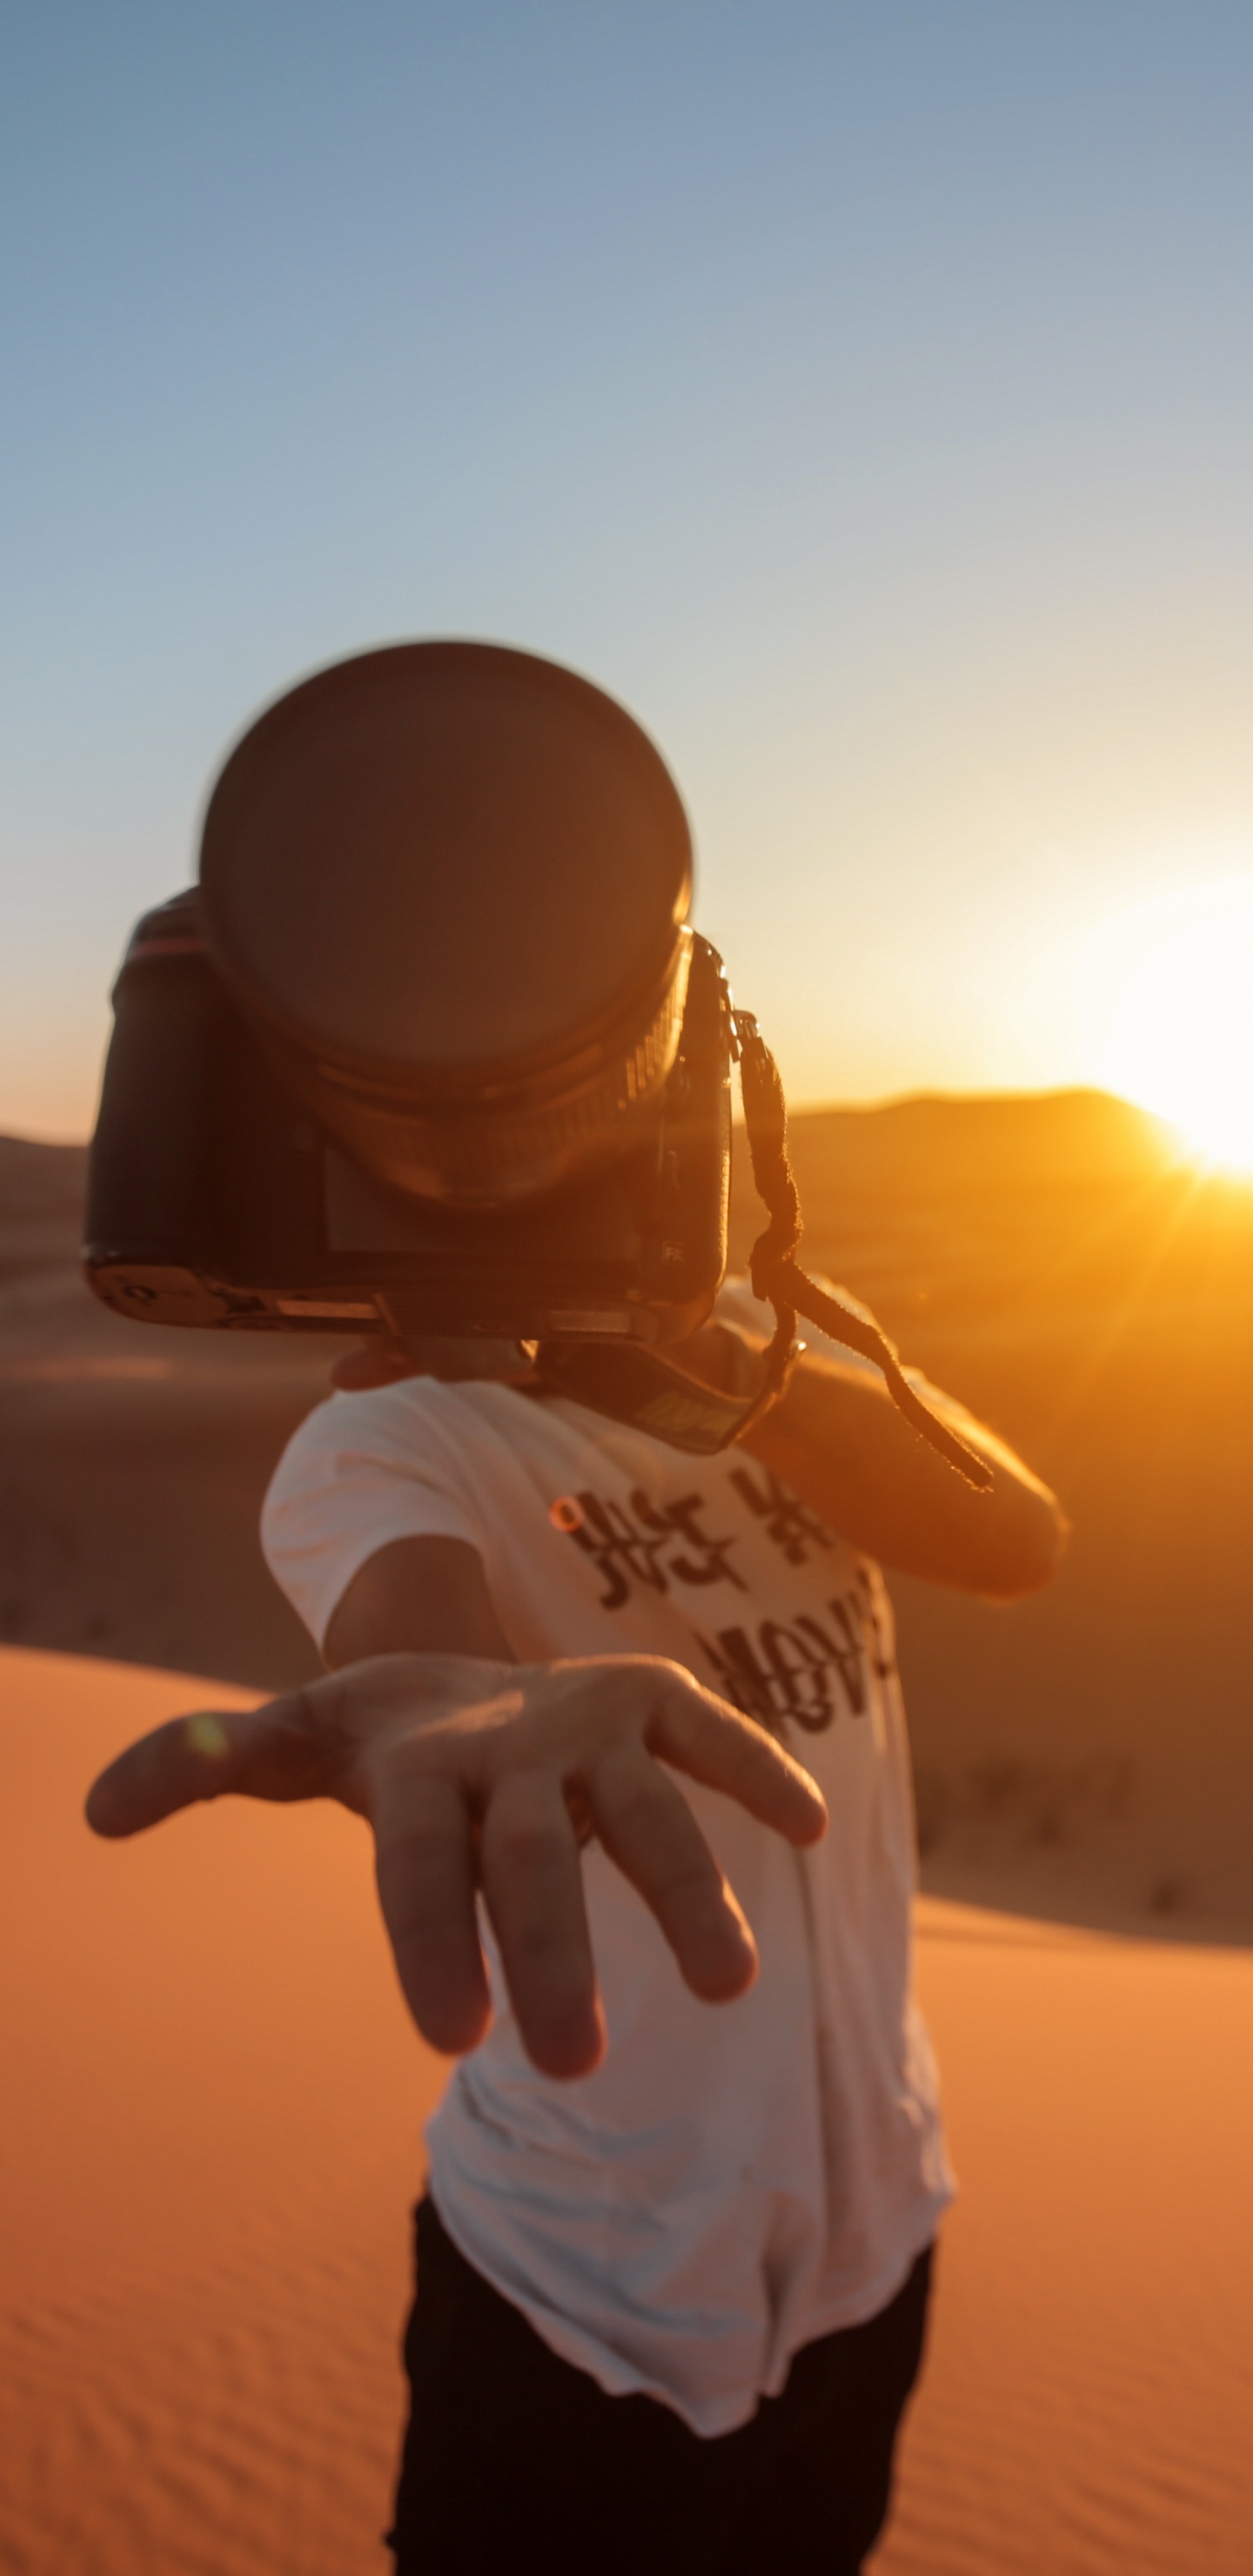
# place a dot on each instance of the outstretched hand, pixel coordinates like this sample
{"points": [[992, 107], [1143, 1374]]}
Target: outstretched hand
{"points": [[483, 1776]]}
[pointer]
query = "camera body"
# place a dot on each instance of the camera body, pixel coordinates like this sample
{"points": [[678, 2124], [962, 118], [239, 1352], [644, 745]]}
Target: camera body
{"points": [[217, 1198]]}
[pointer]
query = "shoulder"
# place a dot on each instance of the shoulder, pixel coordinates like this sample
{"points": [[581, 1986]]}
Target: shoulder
{"points": [[377, 1421], [415, 1426]]}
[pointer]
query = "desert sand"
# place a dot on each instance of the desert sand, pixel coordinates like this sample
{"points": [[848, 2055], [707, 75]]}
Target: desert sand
{"points": [[211, 2140]]}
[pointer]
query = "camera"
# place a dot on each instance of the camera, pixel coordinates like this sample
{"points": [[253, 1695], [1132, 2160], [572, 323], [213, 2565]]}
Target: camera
{"points": [[430, 1049], [216, 1198]]}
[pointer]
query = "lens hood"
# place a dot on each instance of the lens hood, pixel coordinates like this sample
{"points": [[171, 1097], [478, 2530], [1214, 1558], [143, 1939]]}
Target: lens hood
{"points": [[448, 883]]}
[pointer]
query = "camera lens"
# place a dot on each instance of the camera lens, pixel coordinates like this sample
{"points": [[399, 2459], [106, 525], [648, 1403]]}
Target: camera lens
{"points": [[448, 882]]}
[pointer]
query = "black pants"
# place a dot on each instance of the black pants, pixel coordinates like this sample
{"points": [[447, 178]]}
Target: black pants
{"points": [[514, 2460]]}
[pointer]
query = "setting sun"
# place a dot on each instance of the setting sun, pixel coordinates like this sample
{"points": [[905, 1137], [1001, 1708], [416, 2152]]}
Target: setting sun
{"points": [[1167, 1006]]}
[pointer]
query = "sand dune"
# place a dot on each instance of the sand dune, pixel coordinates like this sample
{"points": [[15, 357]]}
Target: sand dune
{"points": [[1090, 2387], [211, 2139], [210, 2143]]}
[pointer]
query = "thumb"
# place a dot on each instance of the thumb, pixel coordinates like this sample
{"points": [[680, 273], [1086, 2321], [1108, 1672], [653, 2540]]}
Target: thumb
{"points": [[284, 1751]]}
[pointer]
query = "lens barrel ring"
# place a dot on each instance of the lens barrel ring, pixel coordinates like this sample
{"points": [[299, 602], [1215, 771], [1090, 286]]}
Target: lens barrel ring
{"points": [[512, 1144]]}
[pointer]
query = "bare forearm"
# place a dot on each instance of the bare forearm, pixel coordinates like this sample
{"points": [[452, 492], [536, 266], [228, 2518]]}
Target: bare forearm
{"points": [[417, 1596], [838, 1440]]}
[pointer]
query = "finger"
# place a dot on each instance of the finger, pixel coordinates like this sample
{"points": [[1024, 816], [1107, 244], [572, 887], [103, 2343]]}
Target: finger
{"points": [[717, 1746], [281, 1751], [529, 1863], [425, 1868], [648, 1829]]}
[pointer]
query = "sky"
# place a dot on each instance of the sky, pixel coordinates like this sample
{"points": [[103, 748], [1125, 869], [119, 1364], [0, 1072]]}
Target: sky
{"points": [[862, 393]]}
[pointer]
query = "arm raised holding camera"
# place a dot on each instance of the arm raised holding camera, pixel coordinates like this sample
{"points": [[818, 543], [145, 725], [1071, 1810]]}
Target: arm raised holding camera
{"points": [[838, 1440]]}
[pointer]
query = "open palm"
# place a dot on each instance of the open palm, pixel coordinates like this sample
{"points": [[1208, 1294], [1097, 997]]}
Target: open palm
{"points": [[482, 1776]]}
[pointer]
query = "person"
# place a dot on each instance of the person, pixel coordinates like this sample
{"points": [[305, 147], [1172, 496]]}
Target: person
{"points": [[675, 2251]]}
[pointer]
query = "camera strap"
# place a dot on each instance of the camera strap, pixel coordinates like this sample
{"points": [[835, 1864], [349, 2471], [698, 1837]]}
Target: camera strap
{"points": [[778, 1278], [638, 1386], [641, 1387]]}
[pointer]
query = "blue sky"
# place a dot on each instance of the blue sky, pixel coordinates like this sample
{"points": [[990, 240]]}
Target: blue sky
{"points": [[863, 393]]}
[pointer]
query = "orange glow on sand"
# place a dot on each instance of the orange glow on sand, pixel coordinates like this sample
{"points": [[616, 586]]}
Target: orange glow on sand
{"points": [[1166, 1002]]}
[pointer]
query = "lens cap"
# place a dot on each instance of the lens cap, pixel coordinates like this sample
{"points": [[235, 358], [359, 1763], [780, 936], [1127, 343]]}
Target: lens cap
{"points": [[445, 864]]}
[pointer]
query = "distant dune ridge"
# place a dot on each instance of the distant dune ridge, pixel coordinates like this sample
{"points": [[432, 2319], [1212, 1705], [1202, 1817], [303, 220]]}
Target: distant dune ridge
{"points": [[1049, 1258]]}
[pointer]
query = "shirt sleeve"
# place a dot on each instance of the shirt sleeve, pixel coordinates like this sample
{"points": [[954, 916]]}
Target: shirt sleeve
{"points": [[362, 1471]]}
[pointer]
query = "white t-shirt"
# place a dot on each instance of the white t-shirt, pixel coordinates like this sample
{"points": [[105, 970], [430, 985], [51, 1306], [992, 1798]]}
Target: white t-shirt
{"points": [[734, 2179]]}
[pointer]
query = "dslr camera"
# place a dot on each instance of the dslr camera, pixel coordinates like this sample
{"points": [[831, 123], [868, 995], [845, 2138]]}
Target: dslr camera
{"points": [[431, 1048]]}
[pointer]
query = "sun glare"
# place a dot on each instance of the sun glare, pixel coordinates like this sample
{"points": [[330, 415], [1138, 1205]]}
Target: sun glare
{"points": [[1167, 1006]]}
